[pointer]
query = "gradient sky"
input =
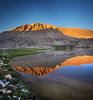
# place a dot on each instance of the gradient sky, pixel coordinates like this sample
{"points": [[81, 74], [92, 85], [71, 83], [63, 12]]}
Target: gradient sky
{"points": [[66, 13]]}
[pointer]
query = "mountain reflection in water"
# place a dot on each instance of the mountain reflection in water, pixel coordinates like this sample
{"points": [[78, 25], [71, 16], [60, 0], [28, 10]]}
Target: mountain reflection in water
{"points": [[69, 80], [78, 60]]}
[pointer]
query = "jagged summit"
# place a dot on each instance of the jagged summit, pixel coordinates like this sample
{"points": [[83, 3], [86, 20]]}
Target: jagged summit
{"points": [[72, 32], [34, 26]]}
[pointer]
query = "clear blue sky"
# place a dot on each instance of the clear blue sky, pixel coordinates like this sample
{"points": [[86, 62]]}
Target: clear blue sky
{"points": [[66, 13]]}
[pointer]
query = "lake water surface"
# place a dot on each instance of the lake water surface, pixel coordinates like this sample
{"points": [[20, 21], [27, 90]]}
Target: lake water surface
{"points": [[71, 79]]}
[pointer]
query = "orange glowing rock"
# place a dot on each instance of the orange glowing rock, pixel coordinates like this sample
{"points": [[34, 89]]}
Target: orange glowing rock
{"points": [[33, 27], [77, 32], [73, 32]]}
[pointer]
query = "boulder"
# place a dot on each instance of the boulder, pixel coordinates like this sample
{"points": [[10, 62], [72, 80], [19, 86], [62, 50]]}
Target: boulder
{"points": [[8, 76], [5, 91]]}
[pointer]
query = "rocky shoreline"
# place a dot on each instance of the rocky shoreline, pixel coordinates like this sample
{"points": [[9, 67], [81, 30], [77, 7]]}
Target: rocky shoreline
{"points": [[11, 87]]}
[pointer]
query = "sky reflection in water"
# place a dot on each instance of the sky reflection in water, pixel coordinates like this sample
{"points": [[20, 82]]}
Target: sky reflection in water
{"points": [[82, 72]]}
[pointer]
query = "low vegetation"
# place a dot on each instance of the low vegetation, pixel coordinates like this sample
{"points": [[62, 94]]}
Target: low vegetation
{"points": [[63, 47], [10, 53]]}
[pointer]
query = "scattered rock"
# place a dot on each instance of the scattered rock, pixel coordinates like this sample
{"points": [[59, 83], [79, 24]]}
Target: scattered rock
{"points": [[5, 91], [8, 76], [2, 84]]}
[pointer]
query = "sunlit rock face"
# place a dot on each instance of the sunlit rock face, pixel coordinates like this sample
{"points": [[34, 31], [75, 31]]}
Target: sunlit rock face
{"points": [[75, 61], [34, 26], [77, 32], [73, 32]]}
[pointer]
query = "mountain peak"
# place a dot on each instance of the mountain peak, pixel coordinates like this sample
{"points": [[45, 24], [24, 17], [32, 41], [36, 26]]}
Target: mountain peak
{"points": [[34, 26], [72, 32]]}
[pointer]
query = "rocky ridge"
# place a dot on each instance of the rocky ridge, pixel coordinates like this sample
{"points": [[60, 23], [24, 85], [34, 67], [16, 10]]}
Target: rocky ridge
{"points": [[34, 27]]}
